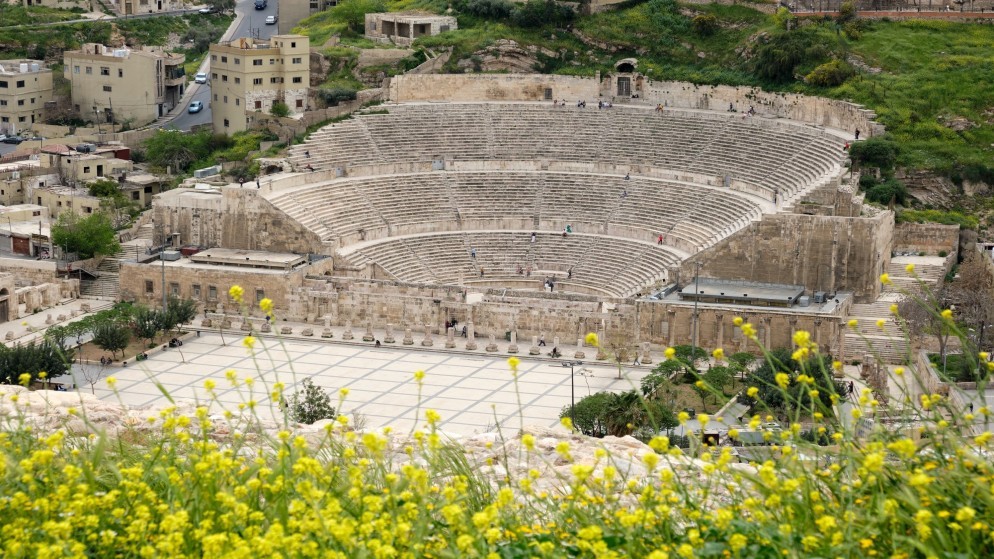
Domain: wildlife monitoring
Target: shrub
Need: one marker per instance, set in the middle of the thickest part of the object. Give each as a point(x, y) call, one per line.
point(280, 109)
point(830, 74)
point(705, 24)
point(946, 217)
point(891, 190)
point(488, 9)
point(310, 404)
point(332, 96)
point(875, 152)
point(539, 13)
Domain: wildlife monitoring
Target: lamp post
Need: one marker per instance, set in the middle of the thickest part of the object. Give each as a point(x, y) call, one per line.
point(572, 389)
point(697, 296)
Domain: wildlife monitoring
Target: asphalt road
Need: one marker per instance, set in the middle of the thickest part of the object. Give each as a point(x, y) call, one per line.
point(251, 24)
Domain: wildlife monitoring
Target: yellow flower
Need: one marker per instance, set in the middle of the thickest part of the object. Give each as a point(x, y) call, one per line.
point(111, 381)
point(982, 438)
point(737, 321)
point(718, 354)
point(432, 417)
point(748, 331)
point(947, 314)
point(783, 380)
point(893, 309)
point(591, 339)
point(899, 371)
point(266, 304)
point(683, 417)
point(343, 392)
point(752, 392)
point(236, 292)
point(567, 423)
point(910, 268)
point(25, 379)
point(837, 365)
point(249, 342)
point(513, 362)
point(885, 278)
point(704, 419)
point(853, 324)
point(528, 441)
point(802, 338)
point(670, 353)
point(419, 375)
point(881, 323)
point(209, 384)
point(965, 514)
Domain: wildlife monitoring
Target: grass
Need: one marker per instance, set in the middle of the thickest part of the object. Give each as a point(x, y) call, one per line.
point(187, 485)
point(14, 15)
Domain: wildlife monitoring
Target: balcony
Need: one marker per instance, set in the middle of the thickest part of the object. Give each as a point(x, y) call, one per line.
point(175, 76)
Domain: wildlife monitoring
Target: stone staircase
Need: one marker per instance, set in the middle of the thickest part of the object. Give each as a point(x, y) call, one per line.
point(106, 286)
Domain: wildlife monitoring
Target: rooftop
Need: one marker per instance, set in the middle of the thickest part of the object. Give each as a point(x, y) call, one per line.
point(249, 258)
point(21, 66)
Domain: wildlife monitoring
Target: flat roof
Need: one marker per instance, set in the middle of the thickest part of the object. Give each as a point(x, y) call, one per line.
point(741, 291)
point(249, 258)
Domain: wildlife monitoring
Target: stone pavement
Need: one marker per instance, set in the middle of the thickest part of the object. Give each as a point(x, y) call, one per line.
point(471, 391)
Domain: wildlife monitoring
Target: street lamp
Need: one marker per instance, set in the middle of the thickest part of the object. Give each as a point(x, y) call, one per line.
point(572, 389)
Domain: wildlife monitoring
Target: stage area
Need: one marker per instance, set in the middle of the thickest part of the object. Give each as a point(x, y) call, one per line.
point(466, 390)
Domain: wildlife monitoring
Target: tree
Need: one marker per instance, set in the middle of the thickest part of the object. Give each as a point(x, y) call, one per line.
point(179, 151)
point(974, 299)
point(310, 404)
point(32, 359)
point(279, 109)
point(146, 324)
point(778, 56)
point(86, 237)
point(796, 396)
point(112, 337)
point(629, 413)
point(716, 378)
point(221, 6)
point(178, 312)
point(919, 312)
point(588, 414)
point(104, 188)
point(705, 24)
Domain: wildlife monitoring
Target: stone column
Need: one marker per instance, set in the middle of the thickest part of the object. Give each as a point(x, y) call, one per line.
point(579, 354)
point(513, 347)
point(533, 350)
point(408, 337)
point(601, 354)
point(426, 342)
point(646, 357)
point(389, 339)
point(492, 346)
point(450, 338)
point(470, 336)
point(720, 342)
point(368, 335)
point(347, 335)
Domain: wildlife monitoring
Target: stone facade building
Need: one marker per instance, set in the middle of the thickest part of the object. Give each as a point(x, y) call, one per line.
point(292, 11)
point(404, 28)
point(249, 75)
point(111, 85)
point(25, 87)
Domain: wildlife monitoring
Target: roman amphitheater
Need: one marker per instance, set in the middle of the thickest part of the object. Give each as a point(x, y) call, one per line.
point(653, 221)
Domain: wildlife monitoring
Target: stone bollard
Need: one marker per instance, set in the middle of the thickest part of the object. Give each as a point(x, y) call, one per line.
point(470, 336)
point(368, 335)
point(308, 332)
point(49, 320)
point(326, 333)
point(513, 347)
point(206, 323)
point(533, 350)
point(246, 326)
point(61, 318)
point(266, 328)
point(426, 342)
point(286, 330)
point(408, 337)
point(492, 346)
point(226, 324)
point(388, 338)
point(646, 356)
point(450, 338)
point(347, 335)
point(579, 354)
point(9, 336)
point(85, 307)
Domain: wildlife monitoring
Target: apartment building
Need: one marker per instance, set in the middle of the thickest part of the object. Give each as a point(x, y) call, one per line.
point(25, 87)
point(249, 75)
point(292, 11)
point(111, 85)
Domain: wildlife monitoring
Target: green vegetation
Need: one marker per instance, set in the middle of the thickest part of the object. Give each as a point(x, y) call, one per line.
point(15, 15)
point(37, 360)
point(311, 403)
point(85, 237)
point(938, 216)
point(186, 152)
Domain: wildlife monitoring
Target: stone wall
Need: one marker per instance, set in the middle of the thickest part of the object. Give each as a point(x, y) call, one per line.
point(822, 253)
point(29, 272)
point(531, 87)
point(930, 238)
point(237, 218)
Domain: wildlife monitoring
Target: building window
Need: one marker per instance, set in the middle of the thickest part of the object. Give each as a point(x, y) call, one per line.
point(259, 295)
point(36, 213)
point(32, 100)
point(20, 83)
point(104, 71)
point(274, 80)
point(257, 81)
point(136, 195)
point(196, 290)
point(107, 88)
point(258, 104)
point(237, 102)
point(257, 62)
point(120, 72)
point(300, 103)
point(297, 60)
point(224, 77)
point(224, 59)
point(225, 98)
point(293, 44)
point(238, 61)
point(3, 84)
point(89, 70)
point(174, 289)
point(20, 102)
point(86, 170)
point(225, 123)
point(272, 61)
point(87, 209)
point(213, 75)
point(149, 287)
point(215, 96)
point(213, 58)
point(212, 290)
point(21, 119)
point(238, 80)
point(75, 69)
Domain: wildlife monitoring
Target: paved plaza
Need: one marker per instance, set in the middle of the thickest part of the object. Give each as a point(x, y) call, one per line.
point(472, 392)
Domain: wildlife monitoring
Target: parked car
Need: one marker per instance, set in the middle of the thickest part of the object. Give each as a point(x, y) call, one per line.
point(201, 77)
point(271, 20)
point(12, 140)
point(3, 137)
point(206, 10)
point(196, 107)
point(261, 4)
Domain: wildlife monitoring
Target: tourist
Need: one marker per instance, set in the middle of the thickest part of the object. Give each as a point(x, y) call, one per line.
point(660, 240)
point(541, 340)
point(564, 232)
point(257, 183)
point(857, 133)
point(624, 193)
point(637, 362)
point(465, 331)
point(481, 271)
point(307, 153)
point(628, 177)
point(534, 236)
point(309, 168)
point(600, 105)
point(569, 273)
point(845, 147)
point(528, 271)
point(377, 344)
point(472, 253)
point(555, 353)
point(520, 270)
point(731, 108)
point(569, 228)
